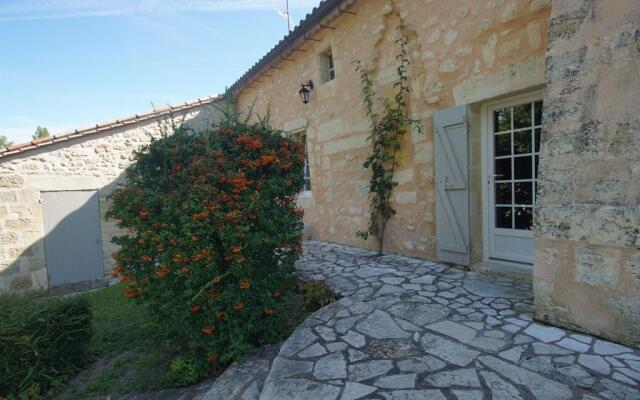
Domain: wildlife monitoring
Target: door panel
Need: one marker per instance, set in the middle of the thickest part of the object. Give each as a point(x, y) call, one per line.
point(72, 237)
point(452, 184)
point(514, 142)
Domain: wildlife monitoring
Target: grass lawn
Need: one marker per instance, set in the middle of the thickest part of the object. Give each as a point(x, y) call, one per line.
point(132, 356)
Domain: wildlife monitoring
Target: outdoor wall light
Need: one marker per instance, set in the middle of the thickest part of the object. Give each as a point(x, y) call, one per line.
point(305, 90)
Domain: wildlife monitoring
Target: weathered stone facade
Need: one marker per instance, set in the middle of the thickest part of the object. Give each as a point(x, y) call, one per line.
point(584, 53)
point(587, 266)
point(470, 52)
point(91, 162)
point(461, 52)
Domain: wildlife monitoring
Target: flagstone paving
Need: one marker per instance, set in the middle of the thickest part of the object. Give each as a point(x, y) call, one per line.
point(409, 329)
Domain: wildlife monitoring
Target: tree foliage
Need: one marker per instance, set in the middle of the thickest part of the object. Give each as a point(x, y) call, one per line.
point(213, 233)
point(4, 142)
point(387, 127)
point(41, 132)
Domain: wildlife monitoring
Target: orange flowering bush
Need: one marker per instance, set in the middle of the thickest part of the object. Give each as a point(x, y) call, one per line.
point(212, 234)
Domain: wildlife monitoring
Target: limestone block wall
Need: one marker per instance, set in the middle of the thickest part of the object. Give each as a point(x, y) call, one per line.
point(587, 229)
point(93, 162)
point(461, 52)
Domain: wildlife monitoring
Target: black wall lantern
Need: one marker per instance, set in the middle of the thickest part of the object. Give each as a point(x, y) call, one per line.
point(305, 90)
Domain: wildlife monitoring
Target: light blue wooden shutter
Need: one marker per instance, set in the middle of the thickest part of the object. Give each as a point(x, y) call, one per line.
point(452, 184)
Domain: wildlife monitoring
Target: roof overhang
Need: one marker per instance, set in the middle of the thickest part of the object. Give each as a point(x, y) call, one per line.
point(319, 19)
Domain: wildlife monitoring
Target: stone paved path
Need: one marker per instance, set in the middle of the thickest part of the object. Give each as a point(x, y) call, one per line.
point(243, 379)
point(407, 329)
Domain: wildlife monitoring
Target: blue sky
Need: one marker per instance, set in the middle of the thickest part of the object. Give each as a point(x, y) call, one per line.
point(65, 64)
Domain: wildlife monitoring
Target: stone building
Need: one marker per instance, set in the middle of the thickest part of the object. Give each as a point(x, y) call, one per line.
point(529, 161)
point(53, 194)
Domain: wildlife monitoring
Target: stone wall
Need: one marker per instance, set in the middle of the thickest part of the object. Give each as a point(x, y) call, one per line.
point(587, 231)
point(92, 162)
point(461, 52)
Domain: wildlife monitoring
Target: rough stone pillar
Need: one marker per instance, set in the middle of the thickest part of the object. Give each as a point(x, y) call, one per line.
point(587, 240)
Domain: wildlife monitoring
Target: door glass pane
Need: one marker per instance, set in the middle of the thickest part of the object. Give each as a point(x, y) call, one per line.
point(524, 193)
point(522, 167)
point(503, 217)
point(516, 140)
point(502, 120)
point(522, 116)
point(524, 218)
point(522, 142)
point(503, 193)
point(503, 145)
point(538, 112)
point(503, 169)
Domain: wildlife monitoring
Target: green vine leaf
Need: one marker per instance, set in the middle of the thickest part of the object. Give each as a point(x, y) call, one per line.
point(386, 132)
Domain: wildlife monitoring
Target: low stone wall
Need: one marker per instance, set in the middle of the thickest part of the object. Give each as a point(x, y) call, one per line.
point(91, 162)
point(587, 261)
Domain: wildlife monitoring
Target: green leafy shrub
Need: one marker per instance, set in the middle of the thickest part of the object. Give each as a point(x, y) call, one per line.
point(44, 342)
point(316, 294)
point(184, 370)
point(213, 233)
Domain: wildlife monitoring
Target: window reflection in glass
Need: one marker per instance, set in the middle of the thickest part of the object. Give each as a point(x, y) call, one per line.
point(522, 116)
point(517, 140)
point(523, 193)
point(522, 167)
point(502, 120)
point(503, 169)
point(503, 193)
point(538, 113)
point(522, 142)
point(503, 145)
point(523, 218)
point(503, 217)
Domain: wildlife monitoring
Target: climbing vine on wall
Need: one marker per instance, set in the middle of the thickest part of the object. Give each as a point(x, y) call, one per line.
point(387, 127)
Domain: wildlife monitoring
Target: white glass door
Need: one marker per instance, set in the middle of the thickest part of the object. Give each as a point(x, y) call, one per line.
point(514, 143)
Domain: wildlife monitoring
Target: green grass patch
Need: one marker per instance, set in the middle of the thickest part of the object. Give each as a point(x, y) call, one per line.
point(118, 321)
point(132, 353)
